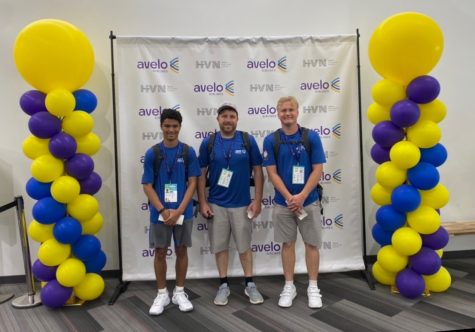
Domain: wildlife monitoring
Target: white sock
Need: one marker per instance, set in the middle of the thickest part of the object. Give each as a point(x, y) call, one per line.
point(313, 283)
point(179, 289)
point(289, 283)
point(162, 291)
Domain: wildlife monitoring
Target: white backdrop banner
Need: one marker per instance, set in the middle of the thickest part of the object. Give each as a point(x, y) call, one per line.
point(195, 76)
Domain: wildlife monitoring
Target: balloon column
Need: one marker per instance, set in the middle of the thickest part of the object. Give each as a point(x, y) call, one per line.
point(405, 114)
point(57, 59)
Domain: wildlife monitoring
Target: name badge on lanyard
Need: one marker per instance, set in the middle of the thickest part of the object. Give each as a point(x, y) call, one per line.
point(171, 193)
point(225, 178)
point(298, 174)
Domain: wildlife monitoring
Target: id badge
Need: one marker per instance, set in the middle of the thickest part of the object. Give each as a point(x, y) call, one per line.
point(225, 178)
point(171, 193)
point(298, 175)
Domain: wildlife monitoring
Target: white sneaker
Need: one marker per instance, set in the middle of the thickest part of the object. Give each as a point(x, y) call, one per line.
point(287, 296)
point(181, 299)
point(160, 302)
point(314, 297)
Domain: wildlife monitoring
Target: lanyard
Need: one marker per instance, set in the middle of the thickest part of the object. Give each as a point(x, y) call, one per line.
point(294, 152)
point(169, 166)
point(228, 154)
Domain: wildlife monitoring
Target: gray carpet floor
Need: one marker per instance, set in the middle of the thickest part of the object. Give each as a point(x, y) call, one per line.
point(348, 305)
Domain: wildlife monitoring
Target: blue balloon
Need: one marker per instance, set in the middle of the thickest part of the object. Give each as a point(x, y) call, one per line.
point(48, 210)
point(423, 176)
point(87, 247)
point(96, 264)
point(405, 198)
point(389, 218)
point(85, 100)
point(381, 236)
point(38, 190)
point(67, 230)
point(435, 155)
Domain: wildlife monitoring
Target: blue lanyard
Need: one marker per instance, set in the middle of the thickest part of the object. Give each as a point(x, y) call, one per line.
point(169, 166)
point(295, 152)
point(229, 153)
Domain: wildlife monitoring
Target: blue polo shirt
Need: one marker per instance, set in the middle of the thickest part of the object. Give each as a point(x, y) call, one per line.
point(172, 170)
point(292, 153)
point(230, 153)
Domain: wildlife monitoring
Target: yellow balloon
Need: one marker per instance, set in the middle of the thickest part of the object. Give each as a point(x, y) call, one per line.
point(83, 208)
point(389, 175)
point(440, 252)
point(434, 111)
point(88, 144)
point(406, 241)
point(47, 168)
point(425, 134)
point(424, 220)
point(436, 198)
point(381, 195)
point(78, 124)
point(405, 154)
point(378, 113)
point(383, 276)
point(439, 281)
point(52, 253)
point(391, 260)
point(71, 272)
point(65, 189)
point(60, 102)
point(40, 232)
point(52, 54)
point(93, 225)
point(90, 288)
point(33, 147)
point(386, 92)
point(405, 46)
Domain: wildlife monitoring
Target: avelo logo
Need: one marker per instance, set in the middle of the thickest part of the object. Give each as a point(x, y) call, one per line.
point(326, 132)
point(215, 88)
point(160, 65)
point(266, 111)
point(268, 64)
point(151, 252)
point(336, 130)
point(335, 84)
point(321, 86)
point(337, 176)
point(339, 221)
point(155, 111)
point(271, 248)
point(327, 223)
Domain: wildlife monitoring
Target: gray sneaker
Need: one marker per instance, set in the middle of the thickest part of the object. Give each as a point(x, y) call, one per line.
point(254, 296)
point(222, 295)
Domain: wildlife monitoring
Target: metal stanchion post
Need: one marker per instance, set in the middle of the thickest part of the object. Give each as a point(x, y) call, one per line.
point(31, 298)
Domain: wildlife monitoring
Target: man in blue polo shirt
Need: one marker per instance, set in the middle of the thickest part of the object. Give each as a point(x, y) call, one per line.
point(227, 159)
point(295, 173)
point(169, 179)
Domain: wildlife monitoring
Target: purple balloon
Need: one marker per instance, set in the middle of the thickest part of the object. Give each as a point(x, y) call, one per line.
point(54, 295)
point(405, 113)
point(43, 272)
point(410, 283)
point(32, 102)
point(386, 134)
point(44, 125)
point(62, 145)
point(423, 89)
point(91, 185)
point(436, 240)
point(426, 261)
point(380, 154)
point(80, 166)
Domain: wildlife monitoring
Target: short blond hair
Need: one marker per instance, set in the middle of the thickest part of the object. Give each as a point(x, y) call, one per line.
point(292, 99)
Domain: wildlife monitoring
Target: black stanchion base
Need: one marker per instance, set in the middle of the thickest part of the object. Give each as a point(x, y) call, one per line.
point(121, 288)
point(5, 297)
point(369, 279)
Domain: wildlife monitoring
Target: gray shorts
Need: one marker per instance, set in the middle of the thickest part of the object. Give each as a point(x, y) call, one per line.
point(286, 223)
point(227, 222)
point(160, 235)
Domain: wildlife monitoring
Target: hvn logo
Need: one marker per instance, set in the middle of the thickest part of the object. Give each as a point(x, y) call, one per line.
point(328, 222)
point(268, 64)
point(215, 88)
point(160, 65)
point(322, 86)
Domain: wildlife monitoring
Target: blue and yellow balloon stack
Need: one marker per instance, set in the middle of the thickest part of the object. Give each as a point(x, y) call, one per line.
point(57, 59)
point(405, 114)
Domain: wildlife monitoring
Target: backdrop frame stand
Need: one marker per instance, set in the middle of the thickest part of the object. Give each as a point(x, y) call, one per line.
point(8, 296)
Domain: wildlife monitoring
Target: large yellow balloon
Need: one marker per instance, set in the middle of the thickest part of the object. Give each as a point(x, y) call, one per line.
point(439, 281)
point(78, 124)
point(47, 168)
point(52, 54)
point(391, 260)
point(406, 241)
point(386, 92)
point(93, 225)
point(40, 232)
point(65, 189)
point(52, 253)
point(405, 154)
point(83, 208)
point(383, 276)
point(88, 144)
point(381, 195)
point(434, 111)
point(389, 175)
point(425, 134)
point(90, 288)
point(405, 46)
point(377, 113)
point(71, 272)
point(33, 147)
point(424, 219)
point(436, 198)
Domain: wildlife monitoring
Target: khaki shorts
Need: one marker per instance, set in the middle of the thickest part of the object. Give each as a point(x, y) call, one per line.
point(227, 222)
point(160, 235)
point(286, 224)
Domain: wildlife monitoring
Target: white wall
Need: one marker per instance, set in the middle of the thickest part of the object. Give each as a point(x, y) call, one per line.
point(96, 18)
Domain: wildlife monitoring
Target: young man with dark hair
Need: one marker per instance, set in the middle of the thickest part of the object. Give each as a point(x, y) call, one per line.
point(169, 179)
